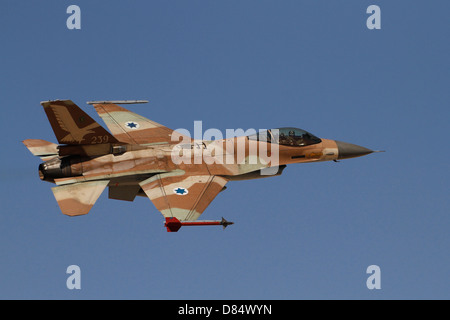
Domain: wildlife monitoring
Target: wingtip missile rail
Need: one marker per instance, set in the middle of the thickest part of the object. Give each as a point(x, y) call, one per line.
point(117, 102)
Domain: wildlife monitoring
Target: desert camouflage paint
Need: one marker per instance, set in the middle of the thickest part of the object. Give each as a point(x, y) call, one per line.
point(140, 157)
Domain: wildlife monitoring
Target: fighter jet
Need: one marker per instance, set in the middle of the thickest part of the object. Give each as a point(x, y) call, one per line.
point(139, 157)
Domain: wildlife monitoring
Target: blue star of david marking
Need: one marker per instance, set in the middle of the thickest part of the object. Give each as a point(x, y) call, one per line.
point(131, 125)
point(180, 191)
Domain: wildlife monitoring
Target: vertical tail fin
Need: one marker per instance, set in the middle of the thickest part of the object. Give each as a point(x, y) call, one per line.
point(72, 125)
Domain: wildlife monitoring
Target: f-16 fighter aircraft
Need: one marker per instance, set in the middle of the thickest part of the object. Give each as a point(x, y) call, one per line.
point(140, 157)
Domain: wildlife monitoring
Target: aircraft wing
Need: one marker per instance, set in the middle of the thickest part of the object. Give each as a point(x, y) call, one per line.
point(132, 128)
point(183, 196)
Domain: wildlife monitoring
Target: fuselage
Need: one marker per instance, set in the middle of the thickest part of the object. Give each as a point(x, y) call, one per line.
point(238, 158)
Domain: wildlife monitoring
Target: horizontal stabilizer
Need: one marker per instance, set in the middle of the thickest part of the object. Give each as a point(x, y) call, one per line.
point(78, 198)
point(41, 148)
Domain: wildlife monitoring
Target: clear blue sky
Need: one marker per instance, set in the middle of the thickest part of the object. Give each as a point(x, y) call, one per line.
point(309, 234)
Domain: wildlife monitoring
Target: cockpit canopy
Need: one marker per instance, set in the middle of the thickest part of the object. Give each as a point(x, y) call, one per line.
point(287, 136)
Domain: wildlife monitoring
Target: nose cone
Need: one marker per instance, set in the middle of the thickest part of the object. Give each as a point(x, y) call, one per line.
point(348, 150)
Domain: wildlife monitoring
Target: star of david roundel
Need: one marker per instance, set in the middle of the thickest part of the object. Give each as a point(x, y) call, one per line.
point(131, 125)
point(181, 191)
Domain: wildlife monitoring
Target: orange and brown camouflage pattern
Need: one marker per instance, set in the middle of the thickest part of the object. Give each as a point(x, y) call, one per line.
point(143, 158)
point(41, 148)
point(130, 127)
point(181, 195)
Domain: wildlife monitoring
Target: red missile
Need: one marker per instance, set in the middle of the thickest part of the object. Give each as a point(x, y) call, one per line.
point(173, 224)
